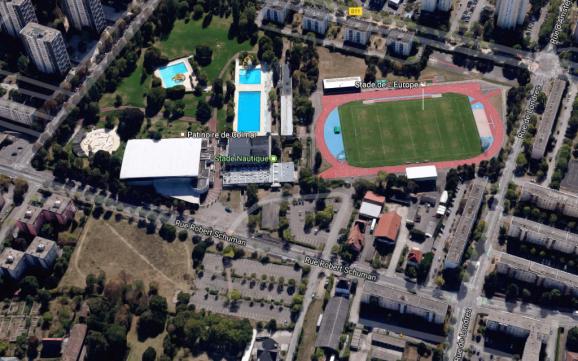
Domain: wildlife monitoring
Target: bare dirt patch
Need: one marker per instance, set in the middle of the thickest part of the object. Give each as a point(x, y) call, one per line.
point(337, 65)
point(115, 247)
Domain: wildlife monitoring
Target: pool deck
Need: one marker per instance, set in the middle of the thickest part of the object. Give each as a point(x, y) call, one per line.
point(187, 83)
point(264, 87)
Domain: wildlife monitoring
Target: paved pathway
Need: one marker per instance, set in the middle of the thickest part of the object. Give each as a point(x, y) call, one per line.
point(340, 169)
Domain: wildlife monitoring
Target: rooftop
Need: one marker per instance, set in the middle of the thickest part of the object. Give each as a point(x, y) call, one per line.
point(338, 83)
point(38, 31)
point(334, 318)
point(166, 158)
point(10, 258)
point(401, 296)
point(540, 229)
point(258, 146)
point(74, 343)
point(30, 214)
point(40, 247)
point(56, 203)
point(315, 14)
point(372, 197)
point(540, 270)
point(355, 239)
point(388, 225)
point(545, 124)
point(426, 171)
point(459, 238)
point(545, 195)
point(357, 24)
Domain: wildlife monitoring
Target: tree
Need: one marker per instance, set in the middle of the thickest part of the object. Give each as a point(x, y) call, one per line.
point(29, 286)
point(203, 111)
point(168, 232)
point(572, 339)
point(176, 92)
point(116, 337)
point(130, 122)
point(20, 188)
point(183, 235)
point(155, 100)
point(97, 346)
point(23, 63)
point(153, 58)
point(252, 197)
point(512, 292)
point(149, 355)
point(203, 55)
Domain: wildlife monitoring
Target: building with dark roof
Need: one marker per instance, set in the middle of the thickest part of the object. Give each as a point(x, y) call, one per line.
point(387, 228)
point(276, 12)
point(12, 263)
point(267, 350)
point(334, 318)
point(249, 148)
point(41, 253)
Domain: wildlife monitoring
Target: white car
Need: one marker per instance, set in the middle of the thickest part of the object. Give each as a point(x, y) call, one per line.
point(575, 314)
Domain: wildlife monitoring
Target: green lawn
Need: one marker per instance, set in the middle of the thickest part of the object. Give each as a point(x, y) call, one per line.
point(186, 36)
point(182, 42)
point(395, 133)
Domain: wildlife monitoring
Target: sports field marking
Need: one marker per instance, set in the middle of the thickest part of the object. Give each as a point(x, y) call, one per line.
point(446, 130)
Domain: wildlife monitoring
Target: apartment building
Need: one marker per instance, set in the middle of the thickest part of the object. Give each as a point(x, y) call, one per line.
point(537, 233)
point(404, 302)
point(15, 14)
point(531, 272)
point(41, 253)
point(548, 119)
point(85, 14)
point(357, 32)
point(316, 21)
point(400, 43)
point(276, 12)
point(511, 13)
point(433, 5)
point(16, 112)
point(56, 209)
point(458, 239)
point(46, 48)
point(550, 199)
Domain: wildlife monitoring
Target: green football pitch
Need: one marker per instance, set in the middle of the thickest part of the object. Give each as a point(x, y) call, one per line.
point(400, 132)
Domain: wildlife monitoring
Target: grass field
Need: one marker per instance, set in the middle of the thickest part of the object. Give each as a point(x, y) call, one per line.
point(396, 133)
point(182, 41)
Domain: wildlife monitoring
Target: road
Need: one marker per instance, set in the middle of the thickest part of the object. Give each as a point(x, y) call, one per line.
point(339, 222)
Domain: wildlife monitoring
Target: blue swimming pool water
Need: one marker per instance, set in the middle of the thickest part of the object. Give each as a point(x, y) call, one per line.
point(249, 117)
point(250, 76)
point(168, 73)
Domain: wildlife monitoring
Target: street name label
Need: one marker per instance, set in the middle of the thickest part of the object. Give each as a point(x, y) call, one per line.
point(210, 232)
point(355, 11)
point(317, 262)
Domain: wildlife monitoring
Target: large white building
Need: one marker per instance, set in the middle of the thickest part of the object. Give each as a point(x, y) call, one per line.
point(433, 5)
point(85, 14)
point(15, 14)
point(176, 167)
point(511, 13)
point(46, 48)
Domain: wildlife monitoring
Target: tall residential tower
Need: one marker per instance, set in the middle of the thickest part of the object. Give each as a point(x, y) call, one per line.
point(433, 5)
point(46, 48)
point(15, 14)
point(511, 13)
point(85, 14)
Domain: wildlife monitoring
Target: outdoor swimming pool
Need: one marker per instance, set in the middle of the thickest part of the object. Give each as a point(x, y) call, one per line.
point(169, 72)
point(249, 117)
point(250, 76)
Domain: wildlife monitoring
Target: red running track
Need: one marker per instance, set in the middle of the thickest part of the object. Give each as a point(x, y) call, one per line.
point(341, 169)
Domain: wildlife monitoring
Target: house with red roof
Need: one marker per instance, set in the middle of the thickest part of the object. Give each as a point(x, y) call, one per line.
point(387, 228)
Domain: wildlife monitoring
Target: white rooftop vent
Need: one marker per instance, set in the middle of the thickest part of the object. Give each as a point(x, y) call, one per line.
point(28, 214)
point(10, 259)
point(41, 247)
point(57, 203)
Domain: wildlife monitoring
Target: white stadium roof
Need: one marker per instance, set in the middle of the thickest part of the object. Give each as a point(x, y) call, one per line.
point(424, 172)
point(166, 158)
point(337, 83)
